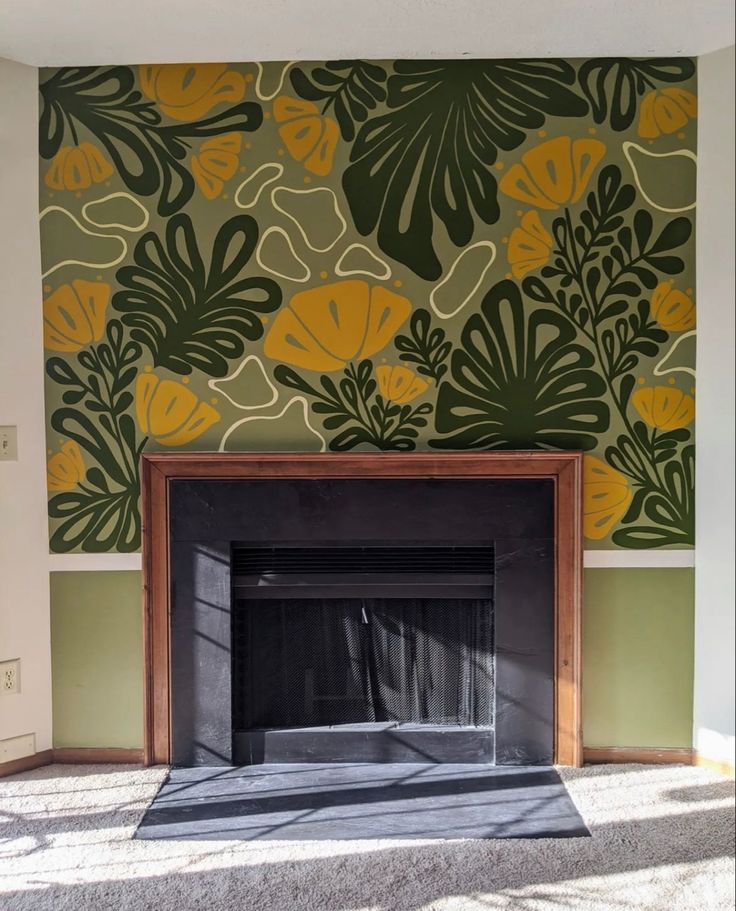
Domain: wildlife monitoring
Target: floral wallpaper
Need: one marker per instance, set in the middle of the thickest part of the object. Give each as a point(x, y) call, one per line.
point(371, 255)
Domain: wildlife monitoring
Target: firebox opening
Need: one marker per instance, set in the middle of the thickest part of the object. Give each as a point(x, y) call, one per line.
point(362, 638)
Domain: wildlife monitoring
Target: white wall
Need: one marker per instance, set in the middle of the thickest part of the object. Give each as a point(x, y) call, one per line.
point(70, 32)
point(24, 578)
point(714, 566)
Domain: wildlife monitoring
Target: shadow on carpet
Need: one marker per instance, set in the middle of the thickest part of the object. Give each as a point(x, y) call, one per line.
point(359, 801)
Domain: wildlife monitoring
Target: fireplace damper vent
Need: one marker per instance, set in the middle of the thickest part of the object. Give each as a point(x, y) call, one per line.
point(369, 572)
point(249, 561)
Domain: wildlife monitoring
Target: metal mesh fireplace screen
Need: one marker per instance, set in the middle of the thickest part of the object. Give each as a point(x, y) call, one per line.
point(314, 662)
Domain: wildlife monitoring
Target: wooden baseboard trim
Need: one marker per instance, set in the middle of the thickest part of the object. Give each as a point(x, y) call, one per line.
point(722, 767)
point(591, 756)
point(645, 755)
point(26, 763)
point(94, 755)
point(71, 756)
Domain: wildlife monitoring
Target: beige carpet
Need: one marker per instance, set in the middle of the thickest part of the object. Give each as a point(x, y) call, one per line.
point(663, 838)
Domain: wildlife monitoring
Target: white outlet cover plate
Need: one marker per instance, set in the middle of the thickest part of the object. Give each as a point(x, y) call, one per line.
point(6, 666)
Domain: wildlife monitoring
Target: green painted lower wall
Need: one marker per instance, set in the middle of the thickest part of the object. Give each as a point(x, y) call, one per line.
point(638, 658)
point(638, 649)
point(97, 659)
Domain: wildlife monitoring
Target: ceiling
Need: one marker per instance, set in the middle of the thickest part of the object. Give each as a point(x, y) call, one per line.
point(74, 32)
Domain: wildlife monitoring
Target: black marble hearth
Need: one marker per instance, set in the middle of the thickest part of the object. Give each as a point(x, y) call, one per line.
point(314, 802)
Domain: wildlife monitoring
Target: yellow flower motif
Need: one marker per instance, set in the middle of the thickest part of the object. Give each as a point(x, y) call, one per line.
point(606, 497)
point(171, 412)
point(664, 407)
point(529, 245)
point(666, 111)
point(187, 91)
point(324, 328)
point(308, 136)
point(74, 315)
point(553, 173)
point(216, 162)
point(66, 468)
point(399, 384)
point(77, 168)
point(673, 309)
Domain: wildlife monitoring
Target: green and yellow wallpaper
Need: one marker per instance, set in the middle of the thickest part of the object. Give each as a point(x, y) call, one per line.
point(371, 255)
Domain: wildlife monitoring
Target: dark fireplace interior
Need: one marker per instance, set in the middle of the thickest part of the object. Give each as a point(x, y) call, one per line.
point(379, 620)
point(312, 662)
point(374, 639)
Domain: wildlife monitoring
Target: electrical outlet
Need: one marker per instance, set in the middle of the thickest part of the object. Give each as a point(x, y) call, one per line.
point(10, 677)
point(8, 444)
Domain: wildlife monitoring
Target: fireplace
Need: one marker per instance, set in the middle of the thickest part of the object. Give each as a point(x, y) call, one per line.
point(369, 653)
point(335, 614)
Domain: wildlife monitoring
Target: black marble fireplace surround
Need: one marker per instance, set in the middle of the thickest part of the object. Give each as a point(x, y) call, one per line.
point(510, 519)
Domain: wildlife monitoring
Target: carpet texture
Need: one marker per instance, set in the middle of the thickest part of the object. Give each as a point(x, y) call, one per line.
point(662, 840)
point(358, 801)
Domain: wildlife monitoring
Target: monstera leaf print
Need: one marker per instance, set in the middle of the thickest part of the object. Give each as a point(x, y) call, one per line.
point(519, 379)
point(668, 514)
point(613, 85)
point(97, 517)
point(149, 155)
point(429, 156)
point(188, 316)
point(350, 88)
point(94, 481)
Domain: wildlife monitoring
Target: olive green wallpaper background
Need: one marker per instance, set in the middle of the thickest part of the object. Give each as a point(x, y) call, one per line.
point(371, 255)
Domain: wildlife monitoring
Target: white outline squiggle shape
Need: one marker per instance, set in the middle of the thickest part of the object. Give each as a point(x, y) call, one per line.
point(481, 243)
point(276, 417)
point(301, 230)
point(275, 229)
point(259, 78)
point(79, 262)
point(342, 272)
point(97, 224)
point(659, 372)
point(682, 153)
point(215, 384)
point(268, 164)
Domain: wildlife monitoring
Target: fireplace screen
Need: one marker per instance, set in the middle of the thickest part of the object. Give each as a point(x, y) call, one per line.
point(309, 662)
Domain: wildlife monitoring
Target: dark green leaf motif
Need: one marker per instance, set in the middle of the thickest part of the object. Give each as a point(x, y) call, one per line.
point(425, 347)
point(351, 88)
point(520, 380)
point(669, 514)
point(96, 517)
point(605, 270)
point(148, 154)
point(101, 513)
point(187, 315)
point(429, 156)
point(613, 85)
point(354, 404)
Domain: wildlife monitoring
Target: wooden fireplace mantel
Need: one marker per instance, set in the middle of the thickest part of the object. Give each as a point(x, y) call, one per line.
point(564, 468)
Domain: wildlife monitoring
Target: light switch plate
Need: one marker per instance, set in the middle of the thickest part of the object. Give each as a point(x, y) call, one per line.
point(8, 444)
